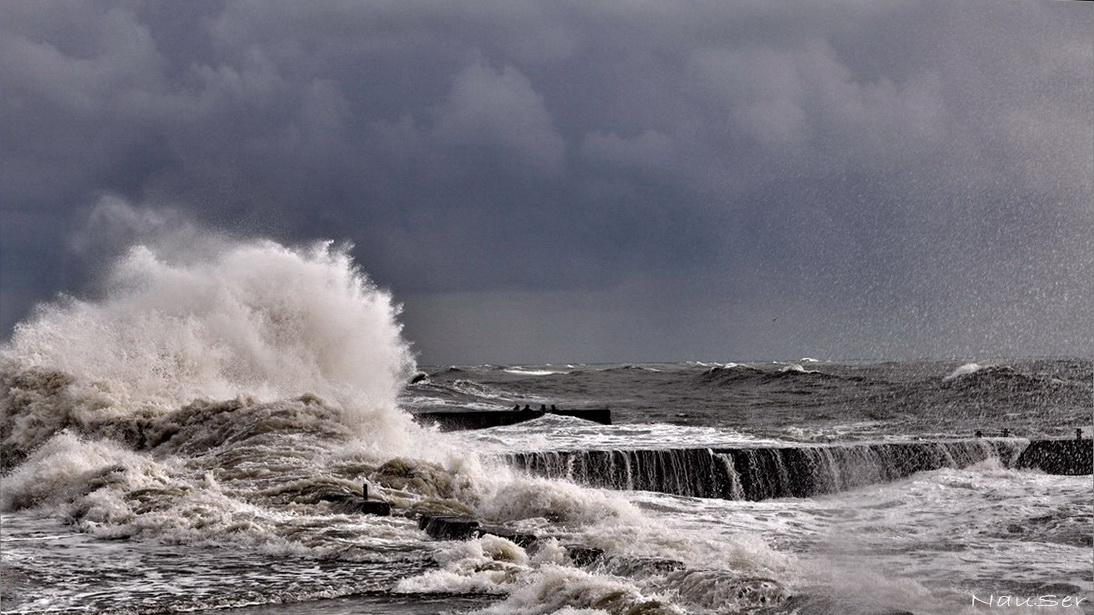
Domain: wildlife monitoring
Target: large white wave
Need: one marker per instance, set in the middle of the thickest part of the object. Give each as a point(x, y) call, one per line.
point(255, 318)
point(230, 393)
point(261, 363)
point(248, 318)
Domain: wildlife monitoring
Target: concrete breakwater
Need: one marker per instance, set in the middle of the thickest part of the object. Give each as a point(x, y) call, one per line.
point(758, 473)
point(452, 420)
point(1072, 457)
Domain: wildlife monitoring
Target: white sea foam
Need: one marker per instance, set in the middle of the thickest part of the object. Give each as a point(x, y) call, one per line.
point(562, 590)
point(254, 318)
point(66, 465)
point(794, 367)
point(964, 370)
point(226, 397)
point(528, 371)
point(553, 432)
point(901, 545)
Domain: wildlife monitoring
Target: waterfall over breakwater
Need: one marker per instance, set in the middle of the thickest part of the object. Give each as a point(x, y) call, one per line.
point(762, 473)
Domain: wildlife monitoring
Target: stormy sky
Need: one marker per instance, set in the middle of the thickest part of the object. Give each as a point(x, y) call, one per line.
point(564, 181)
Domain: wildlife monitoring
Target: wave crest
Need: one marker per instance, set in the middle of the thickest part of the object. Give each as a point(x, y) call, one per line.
point(252, 318)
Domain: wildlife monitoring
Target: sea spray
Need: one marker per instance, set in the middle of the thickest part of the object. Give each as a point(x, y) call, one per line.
point(66, 466)
point(226, 398)
point(255, 318)
point(226, 391)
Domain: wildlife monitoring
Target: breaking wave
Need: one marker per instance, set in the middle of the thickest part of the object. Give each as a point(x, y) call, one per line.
point(235, 397)
point(255, 319)
point(738, 374)
point(1006, 381)
point(964, 370)
point(210, 393)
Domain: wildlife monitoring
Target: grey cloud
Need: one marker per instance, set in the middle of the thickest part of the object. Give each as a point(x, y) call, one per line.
point(651, 153)
point(900, 166)
point(488, 115)
point(502, 110)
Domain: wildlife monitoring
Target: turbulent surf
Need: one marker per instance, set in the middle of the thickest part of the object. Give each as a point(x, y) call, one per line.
point(184, 441)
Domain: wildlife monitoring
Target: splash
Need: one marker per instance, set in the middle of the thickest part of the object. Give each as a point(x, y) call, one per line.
point(255, 319)
point(277, 369)
point(226, 395)
point(964, 370)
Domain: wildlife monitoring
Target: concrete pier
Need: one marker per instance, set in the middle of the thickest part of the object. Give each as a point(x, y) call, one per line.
point(481, 419)
point(1070, 457)
point(763, 472)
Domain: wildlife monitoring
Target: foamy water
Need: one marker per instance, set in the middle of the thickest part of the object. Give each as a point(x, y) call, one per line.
point(180, 443)
point(926, 543)
point(558, 432)
point(220, 402)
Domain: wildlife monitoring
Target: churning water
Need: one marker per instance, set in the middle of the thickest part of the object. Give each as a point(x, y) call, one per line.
point(181, 444)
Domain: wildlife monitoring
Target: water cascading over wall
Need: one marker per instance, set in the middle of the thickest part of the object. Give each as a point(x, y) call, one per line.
point(761, 473)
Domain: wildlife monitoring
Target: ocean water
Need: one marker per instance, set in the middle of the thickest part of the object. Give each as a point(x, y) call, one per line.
point(181, 442)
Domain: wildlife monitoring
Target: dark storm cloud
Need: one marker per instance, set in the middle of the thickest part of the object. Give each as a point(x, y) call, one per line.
point(572, 180)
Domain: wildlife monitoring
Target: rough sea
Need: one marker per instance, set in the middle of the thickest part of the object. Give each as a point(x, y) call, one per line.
point(181, 441)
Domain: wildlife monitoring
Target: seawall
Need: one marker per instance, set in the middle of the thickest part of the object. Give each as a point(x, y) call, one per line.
point(481, 419)
point(758, 473)
point(1071, 457)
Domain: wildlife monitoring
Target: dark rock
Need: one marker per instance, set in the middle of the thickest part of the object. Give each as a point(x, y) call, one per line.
point(521, 539)
point(348, 505)
point(444, 527)
point(581, 555)
point(440, 527)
